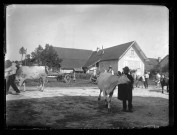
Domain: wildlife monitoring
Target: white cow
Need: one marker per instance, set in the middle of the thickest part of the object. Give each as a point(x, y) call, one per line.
point(107, 83)
point(32, 72)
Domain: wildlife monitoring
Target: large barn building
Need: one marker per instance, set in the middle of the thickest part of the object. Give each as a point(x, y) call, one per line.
point(73, 59)
point(127, 54)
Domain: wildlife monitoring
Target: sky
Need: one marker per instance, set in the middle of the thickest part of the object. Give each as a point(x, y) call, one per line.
point(86, 26)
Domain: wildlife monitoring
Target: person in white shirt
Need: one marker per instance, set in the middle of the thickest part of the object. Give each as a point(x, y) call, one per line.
point(110, 70)
point(158, 76)
point(146, 79)
point(143, 80)
point(10, 78)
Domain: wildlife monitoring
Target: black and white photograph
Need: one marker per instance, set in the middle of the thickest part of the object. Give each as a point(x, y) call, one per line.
point(86, 66)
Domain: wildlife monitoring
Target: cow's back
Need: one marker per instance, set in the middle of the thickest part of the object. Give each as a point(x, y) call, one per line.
point(32, 72)
point(104, 81)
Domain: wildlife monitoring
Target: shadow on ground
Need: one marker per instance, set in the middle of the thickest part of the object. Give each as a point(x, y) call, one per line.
point(158, 90)
point(63, 112)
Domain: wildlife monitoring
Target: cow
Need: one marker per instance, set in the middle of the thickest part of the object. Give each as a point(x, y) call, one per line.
point(107, 83)
point(164, 81)
point(32, 72)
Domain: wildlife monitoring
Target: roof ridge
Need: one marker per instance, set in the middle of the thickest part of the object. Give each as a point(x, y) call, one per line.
point(120, 44)
point(72, 48)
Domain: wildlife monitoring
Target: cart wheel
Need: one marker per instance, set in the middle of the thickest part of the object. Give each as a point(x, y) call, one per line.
point(46, 81)
point(67, 78)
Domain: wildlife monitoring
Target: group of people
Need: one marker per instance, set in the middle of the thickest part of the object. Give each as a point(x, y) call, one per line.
point(143, 79)
point(158, 78)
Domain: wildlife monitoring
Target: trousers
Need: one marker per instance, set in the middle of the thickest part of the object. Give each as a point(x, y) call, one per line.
point(11, 82)
point(129, 104)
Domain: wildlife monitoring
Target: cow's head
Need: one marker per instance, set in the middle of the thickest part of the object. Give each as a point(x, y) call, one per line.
point(123, 79)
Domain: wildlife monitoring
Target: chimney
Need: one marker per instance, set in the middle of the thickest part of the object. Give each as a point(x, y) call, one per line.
point(159, 59)
point(102, 50)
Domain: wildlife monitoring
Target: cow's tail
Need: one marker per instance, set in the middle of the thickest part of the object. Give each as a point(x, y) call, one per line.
point(46, 69)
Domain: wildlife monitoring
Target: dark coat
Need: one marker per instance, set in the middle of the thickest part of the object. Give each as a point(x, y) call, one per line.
point(125, 90)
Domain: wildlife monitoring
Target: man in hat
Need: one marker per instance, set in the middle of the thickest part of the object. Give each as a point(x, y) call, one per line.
point(125, 91)
point(10, 72)
point(110, 70)
point(146, 79)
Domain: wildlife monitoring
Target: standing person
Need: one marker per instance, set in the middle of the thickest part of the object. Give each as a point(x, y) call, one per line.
point(10, 78)
point(74, 76)
point(110, 70)
point(125, 91)
point(158, 76)
point(146, 79)
point(143, 81)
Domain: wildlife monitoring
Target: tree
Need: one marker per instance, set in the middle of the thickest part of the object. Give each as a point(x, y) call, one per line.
point(36, 55)
point(22, 51)
point(28, 59)
point(8, 63)
point(50, 57)
point(47, 56)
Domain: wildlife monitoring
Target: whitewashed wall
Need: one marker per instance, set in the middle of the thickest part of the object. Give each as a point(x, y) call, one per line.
point(66, 71)
point(133, 61)
point(104, 65)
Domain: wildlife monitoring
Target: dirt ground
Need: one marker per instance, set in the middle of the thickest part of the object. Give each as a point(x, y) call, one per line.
point(79, 108)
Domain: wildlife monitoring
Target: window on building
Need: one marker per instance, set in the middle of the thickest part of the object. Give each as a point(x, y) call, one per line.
point(132, 52)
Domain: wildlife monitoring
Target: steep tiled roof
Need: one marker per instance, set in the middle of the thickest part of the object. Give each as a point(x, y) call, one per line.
point(116, 51)
point(166, 57)
point(72, 58)
point(112, 53)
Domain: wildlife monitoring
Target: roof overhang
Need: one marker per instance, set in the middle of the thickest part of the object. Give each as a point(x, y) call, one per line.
point(138, 49)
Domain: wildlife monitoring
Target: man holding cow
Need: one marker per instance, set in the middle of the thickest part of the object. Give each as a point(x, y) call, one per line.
point(10, 72)
point(125, 91)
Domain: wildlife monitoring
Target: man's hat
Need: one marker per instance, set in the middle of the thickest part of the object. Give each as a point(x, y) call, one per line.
point(110, 66)
point(126, 69)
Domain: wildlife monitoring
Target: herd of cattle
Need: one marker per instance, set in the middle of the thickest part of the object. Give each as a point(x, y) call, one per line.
point(106, 82)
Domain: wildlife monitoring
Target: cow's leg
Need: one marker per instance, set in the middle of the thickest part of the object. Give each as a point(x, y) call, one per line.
point(105, 97)
point(43, 81)
point(40, 84)
point(24, 87)
point(109, 101)
point(99, 97)
point(22, 82)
